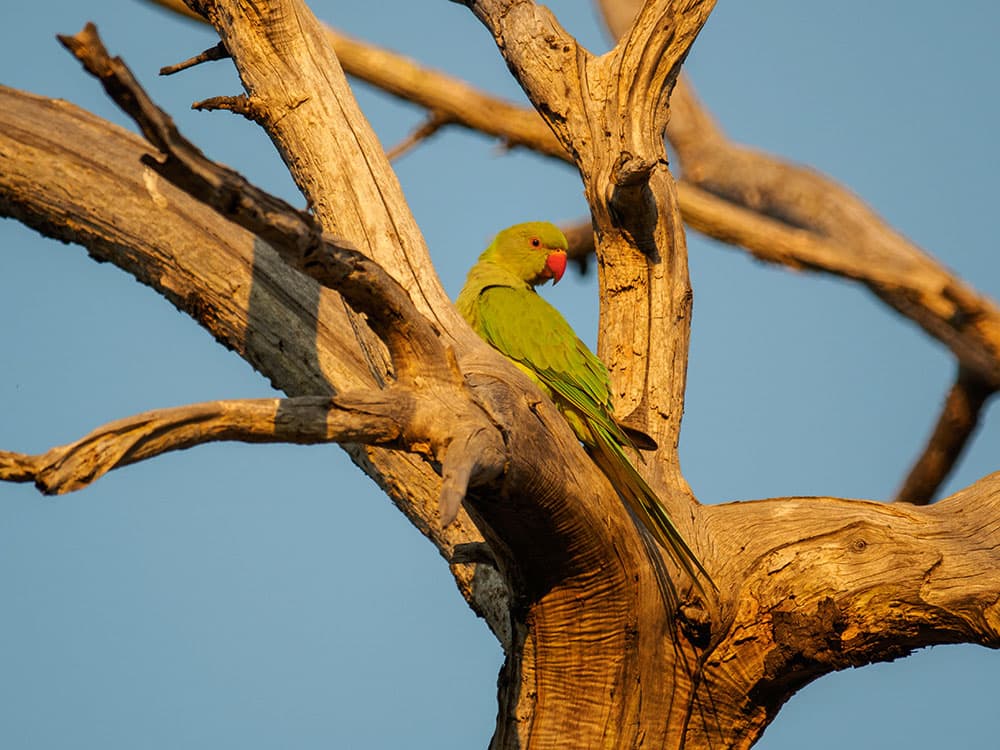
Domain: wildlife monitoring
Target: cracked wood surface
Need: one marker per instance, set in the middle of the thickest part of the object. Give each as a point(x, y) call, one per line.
point(777, 211)
point(807, 584)
point(724, 201)
point(75, 177)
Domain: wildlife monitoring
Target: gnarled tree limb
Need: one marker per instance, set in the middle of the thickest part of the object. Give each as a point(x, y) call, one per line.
point(77, 178)
point(306, 420)
point(806, 585)
point(459, 433)
point(769, 238)
point(856, 582)
point(770, 234)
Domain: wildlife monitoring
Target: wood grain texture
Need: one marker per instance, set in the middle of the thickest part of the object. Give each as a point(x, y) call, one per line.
point(77, 178)
point(304, 420)
point(946, 307)
point(595, 659)
point(731, 193)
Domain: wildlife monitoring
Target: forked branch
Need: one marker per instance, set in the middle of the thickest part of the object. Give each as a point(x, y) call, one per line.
point(745, 198)
point(296, 235)
point(444, 421)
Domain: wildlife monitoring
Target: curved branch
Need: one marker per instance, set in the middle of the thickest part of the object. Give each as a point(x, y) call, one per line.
point(944, 306)
point(768, 197)
point(829, 583)
point(394, 417)
point(460, 435)
point(305, 420)
point(956, 425)
point(333, 262)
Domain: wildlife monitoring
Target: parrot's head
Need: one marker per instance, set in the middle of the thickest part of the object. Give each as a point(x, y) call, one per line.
point(534, 252)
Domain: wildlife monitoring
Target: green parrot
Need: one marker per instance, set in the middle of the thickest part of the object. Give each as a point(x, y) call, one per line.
point(499, 301)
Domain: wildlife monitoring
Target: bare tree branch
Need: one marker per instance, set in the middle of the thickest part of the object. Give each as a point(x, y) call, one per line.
point(807, 585)
point(460, 435)
point(910, 282)
point(217, 52)
point(295, 234)
point(434, 90)
point(856, 582)
point(77, 178)
point(304, 420)
point(954, 429)
point(792, 201)
point(341, 168)
point(771, 228)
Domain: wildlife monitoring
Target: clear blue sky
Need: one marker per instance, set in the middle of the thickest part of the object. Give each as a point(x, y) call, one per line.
point(263, 597)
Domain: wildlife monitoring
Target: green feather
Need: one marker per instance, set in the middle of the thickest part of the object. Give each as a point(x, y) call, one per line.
point(500, 303)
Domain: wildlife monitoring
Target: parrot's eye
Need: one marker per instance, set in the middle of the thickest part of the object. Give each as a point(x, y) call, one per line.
point(535, 242)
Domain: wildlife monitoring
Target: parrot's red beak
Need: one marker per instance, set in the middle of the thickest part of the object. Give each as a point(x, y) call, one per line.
point(555, 264)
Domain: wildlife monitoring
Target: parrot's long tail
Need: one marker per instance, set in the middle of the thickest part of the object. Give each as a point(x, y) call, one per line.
point(645, 505)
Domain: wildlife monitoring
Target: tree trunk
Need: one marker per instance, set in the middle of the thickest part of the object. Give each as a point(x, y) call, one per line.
point(597, 654)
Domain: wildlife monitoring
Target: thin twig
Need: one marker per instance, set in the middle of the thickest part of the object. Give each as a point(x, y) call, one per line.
point(954, 429)
point(240, 104)
point(218, 52)
point(430, 126)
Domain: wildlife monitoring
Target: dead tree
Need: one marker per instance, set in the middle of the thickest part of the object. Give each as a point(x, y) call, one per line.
point(543, 549)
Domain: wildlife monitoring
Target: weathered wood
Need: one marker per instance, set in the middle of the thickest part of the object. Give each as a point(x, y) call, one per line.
point(77, 178)
point(806, 585)
point(304, 420)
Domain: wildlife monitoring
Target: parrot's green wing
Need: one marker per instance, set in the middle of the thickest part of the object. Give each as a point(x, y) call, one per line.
point(527, 329)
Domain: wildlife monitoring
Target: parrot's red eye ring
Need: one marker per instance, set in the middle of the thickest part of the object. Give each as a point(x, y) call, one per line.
point(535, 242)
